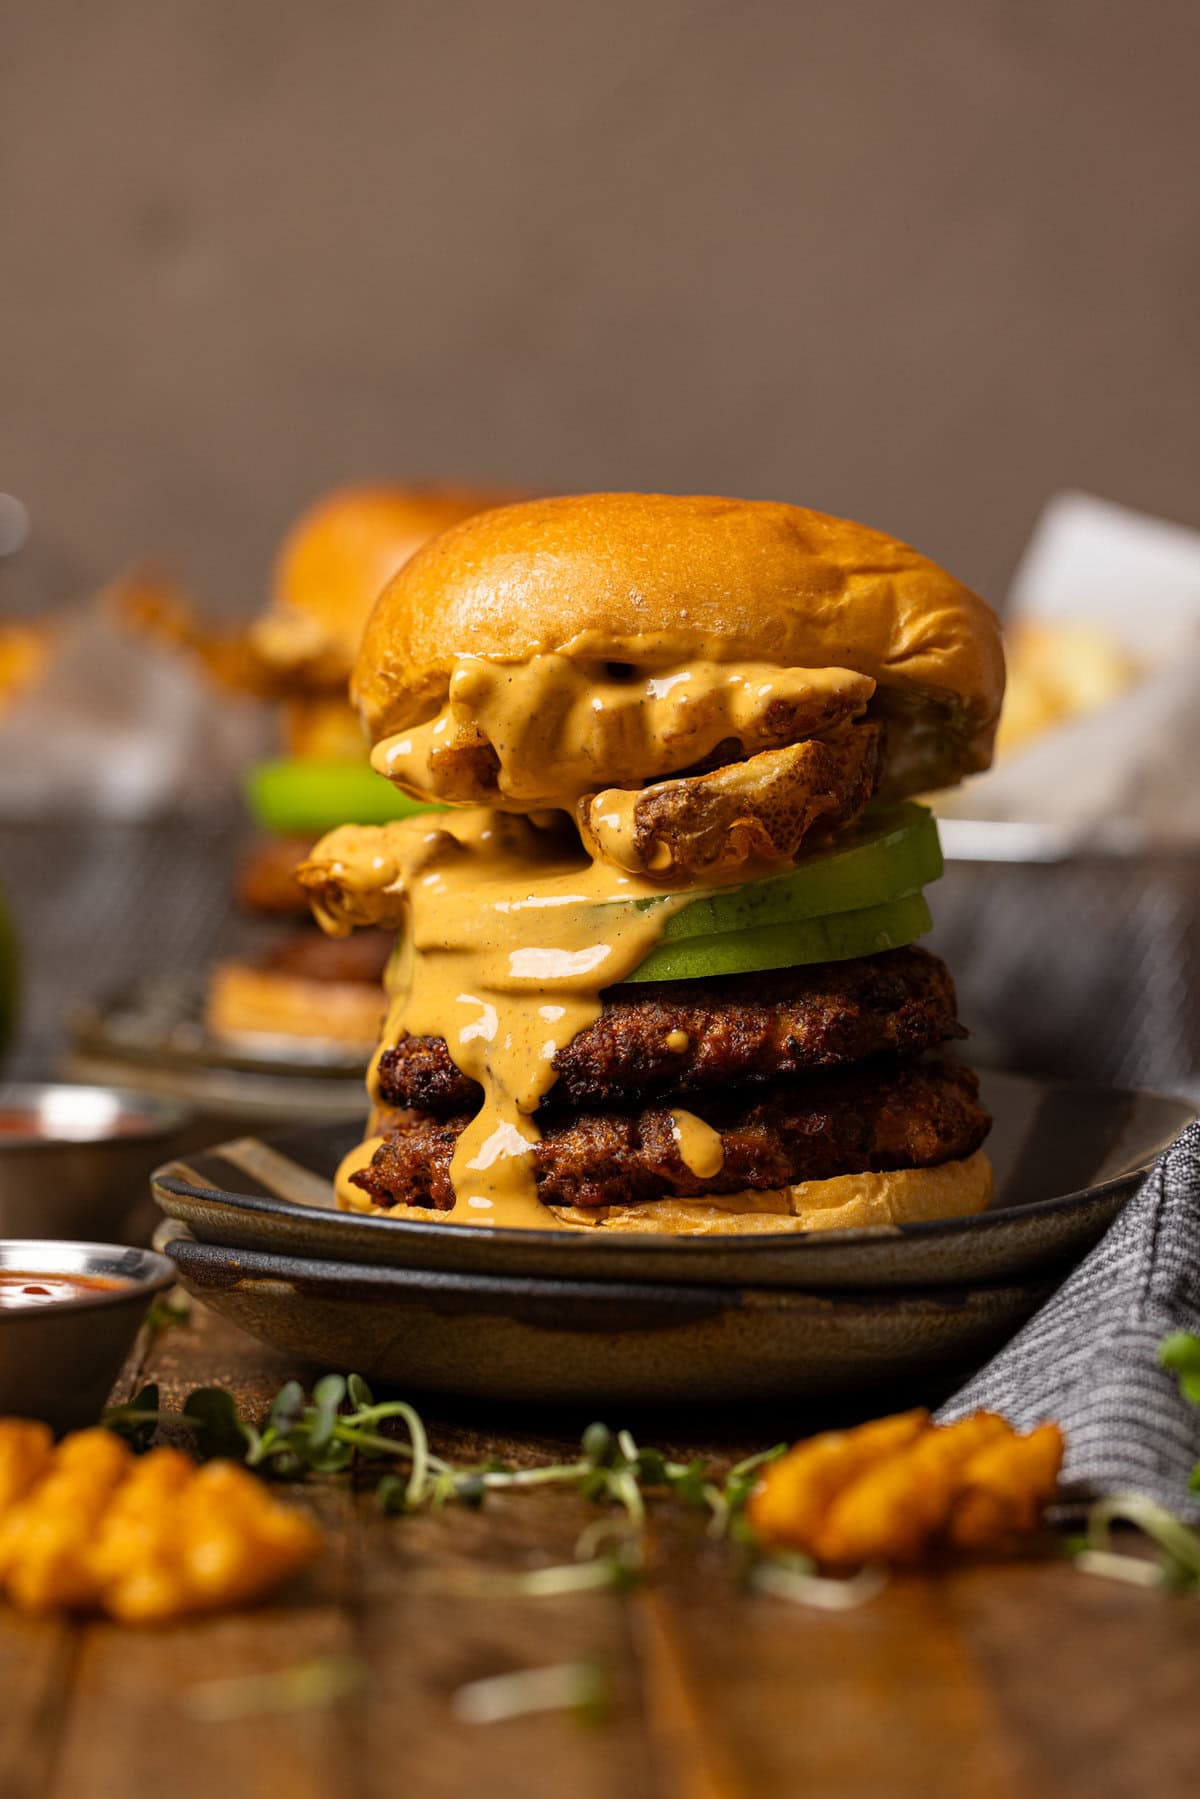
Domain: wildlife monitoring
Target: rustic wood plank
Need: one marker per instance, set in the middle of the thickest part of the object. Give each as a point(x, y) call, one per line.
point(133, 1726)
point(35, 1664)
point(1096, 1681)
point(1003, 1682)
point(787, 1699)
point(423, 1643)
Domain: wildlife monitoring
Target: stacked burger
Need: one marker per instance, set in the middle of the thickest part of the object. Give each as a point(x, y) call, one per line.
point(656, 965)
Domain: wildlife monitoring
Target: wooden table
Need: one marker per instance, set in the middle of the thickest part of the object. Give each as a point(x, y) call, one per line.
point(988, 1682)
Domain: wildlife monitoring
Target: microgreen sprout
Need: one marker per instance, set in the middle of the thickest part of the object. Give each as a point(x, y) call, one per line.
point(341, 1426)
point(581, 1688)
point(168, 1311)
point(794, 1577)
point(305, 1686)
point(1177, 1565)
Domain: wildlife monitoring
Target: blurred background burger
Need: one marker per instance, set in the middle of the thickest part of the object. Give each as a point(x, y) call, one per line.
point(299, 654)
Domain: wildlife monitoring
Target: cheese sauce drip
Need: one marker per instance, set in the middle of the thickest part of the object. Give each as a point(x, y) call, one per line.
point(509, 935)
point(542, 733)
point(700, 1148)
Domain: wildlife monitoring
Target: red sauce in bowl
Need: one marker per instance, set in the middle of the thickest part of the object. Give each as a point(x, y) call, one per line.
point(16, 1122)
point(18, 1288)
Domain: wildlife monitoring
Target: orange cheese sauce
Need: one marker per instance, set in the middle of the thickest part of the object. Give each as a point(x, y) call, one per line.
point(508, 934)
point(561, 728)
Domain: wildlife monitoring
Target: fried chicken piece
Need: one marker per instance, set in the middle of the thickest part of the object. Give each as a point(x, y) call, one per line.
point(845, 1123)
point(691, 1036)
point(759, 810)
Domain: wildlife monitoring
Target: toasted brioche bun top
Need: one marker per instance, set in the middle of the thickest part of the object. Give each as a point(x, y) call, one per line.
point(658, 579)
point(337, 557)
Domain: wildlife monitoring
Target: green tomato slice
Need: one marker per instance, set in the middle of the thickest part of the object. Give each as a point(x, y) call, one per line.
point(893, 850)
point(299, 797)
point(834, 938)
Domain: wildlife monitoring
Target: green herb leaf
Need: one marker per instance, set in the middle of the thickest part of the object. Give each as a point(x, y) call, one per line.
point(651, 1467)
point(598, 1445)
point(1180, 1352)
point(691, 1484)
point(328, 1395)
point(217, 1429)
point(390, 1495)
point(358, 1392)
point(287, 1409)
point(137, 1421)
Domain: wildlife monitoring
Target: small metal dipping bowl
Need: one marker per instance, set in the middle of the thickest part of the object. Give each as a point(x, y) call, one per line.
point(75, 1161)
point(58, 1361)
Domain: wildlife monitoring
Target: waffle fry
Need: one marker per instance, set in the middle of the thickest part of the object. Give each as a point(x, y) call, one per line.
point(91, 1527)
point(903, 1488)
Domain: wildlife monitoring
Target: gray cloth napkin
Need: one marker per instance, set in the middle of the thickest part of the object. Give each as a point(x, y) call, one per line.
point(1089, 1358)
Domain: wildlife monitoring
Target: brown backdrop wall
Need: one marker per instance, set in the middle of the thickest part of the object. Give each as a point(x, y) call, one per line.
point(919, 262)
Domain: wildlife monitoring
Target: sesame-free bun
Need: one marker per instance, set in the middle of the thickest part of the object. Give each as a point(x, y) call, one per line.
point(658, 579)
point(337, 557)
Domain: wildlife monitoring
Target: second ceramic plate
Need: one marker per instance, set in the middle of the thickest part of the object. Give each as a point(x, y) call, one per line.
point(1066, 1158)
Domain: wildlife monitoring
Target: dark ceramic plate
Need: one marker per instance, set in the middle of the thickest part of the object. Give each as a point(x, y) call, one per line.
point(153, 1037)
point(567, 1342)
point(1066, 1158)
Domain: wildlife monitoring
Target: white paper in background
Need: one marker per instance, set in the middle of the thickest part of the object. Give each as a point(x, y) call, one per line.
point(120, 728)
point(1130, 771)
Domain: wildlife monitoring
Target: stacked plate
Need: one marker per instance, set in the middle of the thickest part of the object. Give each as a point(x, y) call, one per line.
point(570, 1316)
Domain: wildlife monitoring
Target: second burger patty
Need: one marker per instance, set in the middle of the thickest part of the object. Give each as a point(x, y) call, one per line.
point(689, 1036)
point(851, 1122)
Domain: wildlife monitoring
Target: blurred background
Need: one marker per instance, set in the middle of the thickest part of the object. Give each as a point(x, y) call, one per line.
point(917, 264)
point(925, 265)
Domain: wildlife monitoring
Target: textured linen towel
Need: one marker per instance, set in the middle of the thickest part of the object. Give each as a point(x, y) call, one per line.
point(1089, 1358)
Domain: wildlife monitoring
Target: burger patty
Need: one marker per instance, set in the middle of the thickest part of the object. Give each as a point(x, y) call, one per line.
point(744, 1028)
point(853, 1122)
point(311, 956)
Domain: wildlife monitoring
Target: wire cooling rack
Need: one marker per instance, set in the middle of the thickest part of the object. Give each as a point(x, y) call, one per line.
point(99, 907)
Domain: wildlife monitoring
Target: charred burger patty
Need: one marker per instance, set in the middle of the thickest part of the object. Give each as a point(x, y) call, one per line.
point(684, 1037)
point(850, 1122)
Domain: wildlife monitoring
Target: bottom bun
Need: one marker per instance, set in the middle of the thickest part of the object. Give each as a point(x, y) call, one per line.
point(245, 1001)
point(846, 1202)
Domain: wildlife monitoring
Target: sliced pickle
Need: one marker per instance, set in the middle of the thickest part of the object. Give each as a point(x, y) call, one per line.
point(298, 796)
point(834, 938)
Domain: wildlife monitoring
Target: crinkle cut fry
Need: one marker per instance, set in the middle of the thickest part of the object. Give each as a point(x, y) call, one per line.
point(899, 1488)
point(1007, 1486)
point(47, 1538)
point(90, 1527)
point(788, 1506)
point(892, 1511)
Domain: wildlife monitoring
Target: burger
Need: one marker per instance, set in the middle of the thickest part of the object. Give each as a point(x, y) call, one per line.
point(298, 654)
point(656, 964)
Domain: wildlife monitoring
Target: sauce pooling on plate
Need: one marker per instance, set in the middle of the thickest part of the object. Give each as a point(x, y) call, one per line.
point(18, 1288)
